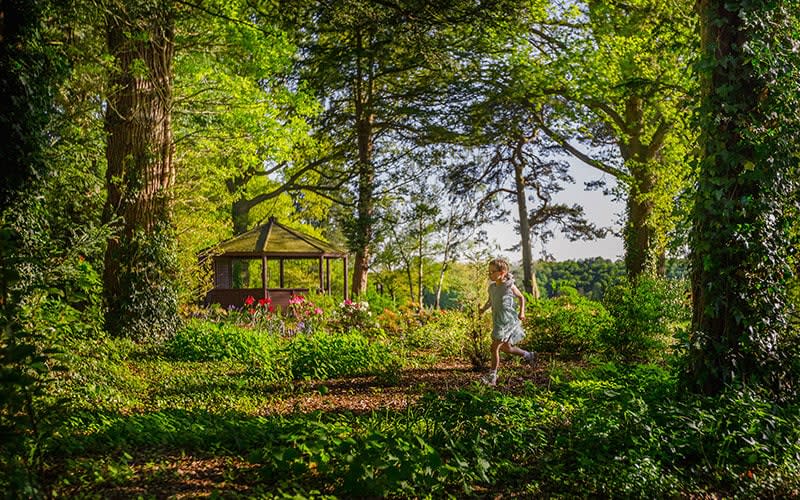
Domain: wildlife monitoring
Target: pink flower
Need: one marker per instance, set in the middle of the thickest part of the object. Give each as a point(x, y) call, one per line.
point(317, 311)
point(249, 300)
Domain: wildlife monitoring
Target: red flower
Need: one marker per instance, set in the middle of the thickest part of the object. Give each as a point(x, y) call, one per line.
point(271, 308)
point(263, 302)
point(252, 311)
point(249, 300)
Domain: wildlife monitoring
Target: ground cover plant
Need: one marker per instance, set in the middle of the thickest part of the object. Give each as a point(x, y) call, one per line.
point(228, 407)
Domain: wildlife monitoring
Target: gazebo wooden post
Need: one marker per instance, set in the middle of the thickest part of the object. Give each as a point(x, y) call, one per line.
point(345, 277)
point(321, 279)
point(281, 273)
point(264, 276)
point(328, 275)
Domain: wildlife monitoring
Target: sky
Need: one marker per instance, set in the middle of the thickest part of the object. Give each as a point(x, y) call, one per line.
point(600, 209)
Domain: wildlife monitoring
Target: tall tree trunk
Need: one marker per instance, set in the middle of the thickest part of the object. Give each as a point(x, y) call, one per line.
point(445, 262)
point(139, 270)
point(240, 215)
point(366, 173)
point(420, 253)
point(644, 248)
point(240, 208)
point(528, 277)
point(643, 252)
point(440, 283)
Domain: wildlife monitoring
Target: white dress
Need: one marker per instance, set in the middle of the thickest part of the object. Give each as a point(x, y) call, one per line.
point(505, 317)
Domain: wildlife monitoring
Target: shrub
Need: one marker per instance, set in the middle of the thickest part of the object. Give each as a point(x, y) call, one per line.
point(739, 443)
point(444, 331)
point(354, 316)
point(143, 302)
point(206, 341)
point(330, 355)
point(646, 315)
point(567, 325)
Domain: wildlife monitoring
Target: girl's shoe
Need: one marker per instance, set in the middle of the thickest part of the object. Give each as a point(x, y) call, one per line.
point(489, 379)
point(531, 358)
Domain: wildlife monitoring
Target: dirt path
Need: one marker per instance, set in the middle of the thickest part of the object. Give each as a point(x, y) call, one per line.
point(365, 394)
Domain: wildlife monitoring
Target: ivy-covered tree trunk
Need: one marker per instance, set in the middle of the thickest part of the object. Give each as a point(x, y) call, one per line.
point(645, 251)
point(743, 245)
point(140, 260)
point(645, 232)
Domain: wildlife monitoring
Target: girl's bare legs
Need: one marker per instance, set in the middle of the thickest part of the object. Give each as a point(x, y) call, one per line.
point(529, 357)
point(491, 377)
point(497, 346)
point(512, 349)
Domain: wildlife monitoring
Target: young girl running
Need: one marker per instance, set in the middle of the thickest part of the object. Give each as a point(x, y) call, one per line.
point(506, 322)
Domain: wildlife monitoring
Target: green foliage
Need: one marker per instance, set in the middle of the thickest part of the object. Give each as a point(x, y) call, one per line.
point(567, 325)
point(647, 314)
point(327, 355)
point(633, 435)
point(740, 443)
point(442, 446)
point(142, 303)
point(609, 431)
point(59, 296)
point(350, 316)
point(32, 68)
point(23, 371)
point(378, 302)
point(591, 277)
point(478, 338)
point(623, 74)
point(236, 114)
point(444, 332)
point(614, 437)
point(200, 340)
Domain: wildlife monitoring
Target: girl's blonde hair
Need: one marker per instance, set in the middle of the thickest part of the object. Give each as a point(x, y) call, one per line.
point(500, 264)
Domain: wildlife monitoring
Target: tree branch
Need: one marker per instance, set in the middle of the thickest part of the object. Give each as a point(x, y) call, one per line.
point(561, 141)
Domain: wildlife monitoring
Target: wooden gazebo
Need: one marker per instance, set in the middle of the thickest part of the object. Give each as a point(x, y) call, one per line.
point(247, 259)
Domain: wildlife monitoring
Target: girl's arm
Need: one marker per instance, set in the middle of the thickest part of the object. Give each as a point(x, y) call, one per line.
point(521, 299)
point(486, 306)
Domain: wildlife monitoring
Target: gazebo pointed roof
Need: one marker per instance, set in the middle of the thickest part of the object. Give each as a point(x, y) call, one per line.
point(275, 239)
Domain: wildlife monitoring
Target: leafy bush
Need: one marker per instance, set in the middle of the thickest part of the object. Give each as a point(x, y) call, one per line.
point(353, 316)
point(646, 315)
point(446, 332)
point(206, 341)
point(143, 303)
point(614, 439)
point(329, 355)
point(568, 325)
point(740, 443)
point(102, 375)
point(444, 446)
